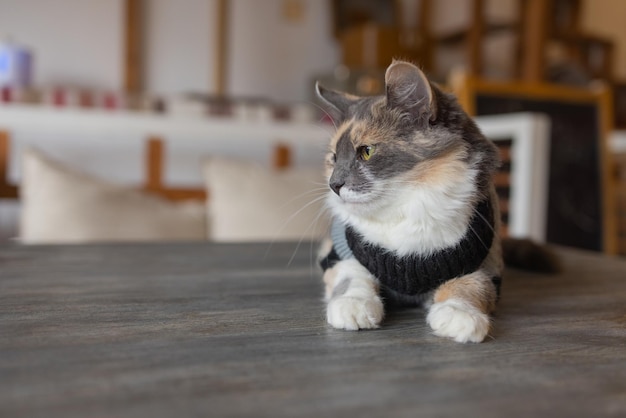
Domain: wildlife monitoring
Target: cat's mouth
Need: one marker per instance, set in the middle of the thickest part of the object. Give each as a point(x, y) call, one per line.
point(348, 196)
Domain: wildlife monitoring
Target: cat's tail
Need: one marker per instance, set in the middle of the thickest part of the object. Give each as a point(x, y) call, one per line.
point(529, 255)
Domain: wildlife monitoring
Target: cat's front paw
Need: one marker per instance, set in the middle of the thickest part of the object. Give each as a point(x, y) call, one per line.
point(352, 313)
point(457, 319)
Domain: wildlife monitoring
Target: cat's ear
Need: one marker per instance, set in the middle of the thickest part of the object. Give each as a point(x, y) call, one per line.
point(409, 90)
point(337, 103)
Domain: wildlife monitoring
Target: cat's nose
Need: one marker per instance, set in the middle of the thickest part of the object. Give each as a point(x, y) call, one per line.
point(336, 186)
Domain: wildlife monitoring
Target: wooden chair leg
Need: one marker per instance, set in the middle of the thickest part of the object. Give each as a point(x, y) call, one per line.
point(154, 164)
point(282, 156)
point(535, 39)
point(475, 39)
point(7, 191)
point(154, 160)
point(155, 167)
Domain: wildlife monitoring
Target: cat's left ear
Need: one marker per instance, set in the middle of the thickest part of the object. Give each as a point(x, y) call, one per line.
point(337, 103)
point(409, 90)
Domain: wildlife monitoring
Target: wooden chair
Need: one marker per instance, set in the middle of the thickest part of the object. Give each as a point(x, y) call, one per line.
point(585, 116)
point(539, 23)
point(523, 140)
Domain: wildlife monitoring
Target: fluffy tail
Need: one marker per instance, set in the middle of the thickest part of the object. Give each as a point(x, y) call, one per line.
point(528, 255)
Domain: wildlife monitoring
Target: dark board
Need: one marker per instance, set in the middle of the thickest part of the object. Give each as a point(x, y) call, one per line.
point(229, 330)
point(575, 184)
point(504, 191)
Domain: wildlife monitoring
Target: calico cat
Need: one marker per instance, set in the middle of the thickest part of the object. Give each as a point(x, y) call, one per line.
point(414, 207)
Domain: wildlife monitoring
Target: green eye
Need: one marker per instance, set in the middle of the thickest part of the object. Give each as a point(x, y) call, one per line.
point(367, 152)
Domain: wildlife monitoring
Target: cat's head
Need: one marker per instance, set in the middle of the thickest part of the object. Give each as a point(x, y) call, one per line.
point(413, 137)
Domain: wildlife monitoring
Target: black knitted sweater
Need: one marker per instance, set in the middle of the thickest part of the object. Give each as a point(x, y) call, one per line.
point(416, 274)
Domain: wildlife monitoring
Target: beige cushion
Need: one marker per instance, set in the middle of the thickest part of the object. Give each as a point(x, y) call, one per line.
point(60, 205)
point(248, 202)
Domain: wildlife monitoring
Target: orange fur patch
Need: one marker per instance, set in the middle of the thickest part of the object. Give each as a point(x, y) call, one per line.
point(364, 133)
point(333, 146)
point(340, 131)
point(446, 169)
point(475, 289)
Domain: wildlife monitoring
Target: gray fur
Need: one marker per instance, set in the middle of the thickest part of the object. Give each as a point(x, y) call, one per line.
point(410, 91)
point(341, 288)
point(416, 136)
point(337, 103)
point(346, 170)
point(413, 126)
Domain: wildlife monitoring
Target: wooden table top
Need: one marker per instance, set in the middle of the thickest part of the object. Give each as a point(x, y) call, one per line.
point(233, 330)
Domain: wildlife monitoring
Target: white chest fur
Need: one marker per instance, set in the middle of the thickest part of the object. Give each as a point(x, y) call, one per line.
point(413, 219)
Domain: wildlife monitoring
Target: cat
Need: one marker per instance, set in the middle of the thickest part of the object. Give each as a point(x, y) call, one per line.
point(415, 212)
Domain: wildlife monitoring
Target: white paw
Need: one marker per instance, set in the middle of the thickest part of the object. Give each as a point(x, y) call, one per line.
point(352, 313)
point(458, 320)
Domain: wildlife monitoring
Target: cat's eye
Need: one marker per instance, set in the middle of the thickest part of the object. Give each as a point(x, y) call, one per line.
point(366, 152)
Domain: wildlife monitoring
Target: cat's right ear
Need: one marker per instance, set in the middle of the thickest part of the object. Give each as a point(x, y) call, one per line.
point(337, 103)
point(409, 90)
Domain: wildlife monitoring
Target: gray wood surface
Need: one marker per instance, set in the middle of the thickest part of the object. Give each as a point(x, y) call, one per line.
point(233, 330)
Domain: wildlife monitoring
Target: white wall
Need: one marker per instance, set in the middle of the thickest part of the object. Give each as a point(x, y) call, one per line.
point(273, 56)
point(80, 42)
point(268, 54)
point(75, 42)
point(180, 46)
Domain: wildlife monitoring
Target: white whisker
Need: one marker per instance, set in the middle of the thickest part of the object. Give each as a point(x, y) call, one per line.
point(478, 236)
point(276, 235)
point(304, 194)
point(484, 220)
point(324, 111)
point(312, 224)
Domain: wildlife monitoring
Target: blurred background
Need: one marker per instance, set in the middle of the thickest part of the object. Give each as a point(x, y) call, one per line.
point(274, 48)
point(191, 119)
